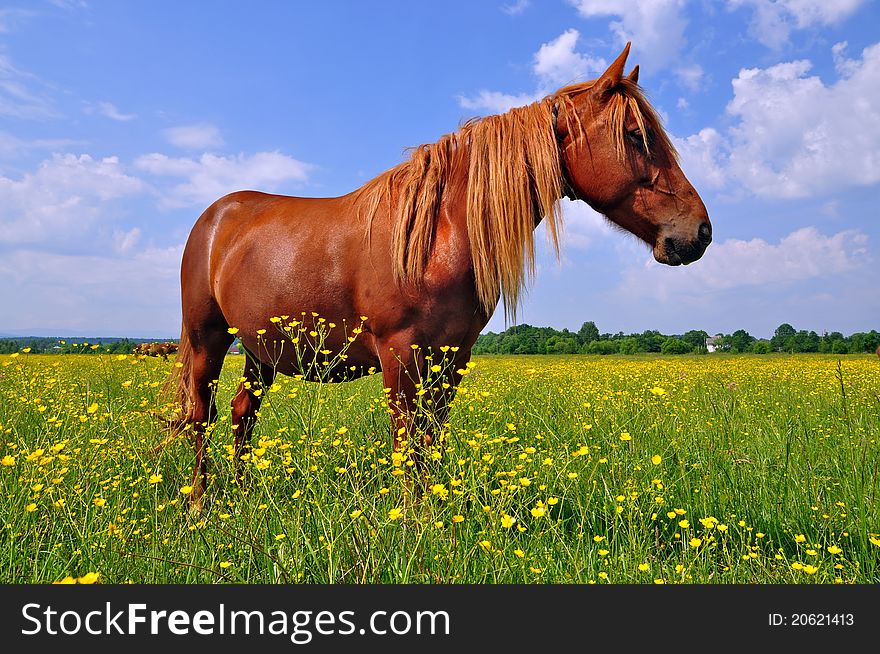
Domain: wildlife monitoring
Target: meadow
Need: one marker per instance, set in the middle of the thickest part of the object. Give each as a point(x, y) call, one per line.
point(551, 469)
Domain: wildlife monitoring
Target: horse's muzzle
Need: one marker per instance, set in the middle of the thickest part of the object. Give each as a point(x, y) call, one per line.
point(675, 251)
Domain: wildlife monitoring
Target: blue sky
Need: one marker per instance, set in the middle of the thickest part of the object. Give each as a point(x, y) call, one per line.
point(121, 121)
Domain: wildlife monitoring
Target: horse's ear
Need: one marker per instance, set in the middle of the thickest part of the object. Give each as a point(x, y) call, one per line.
point(634, 75)
point(611, 77)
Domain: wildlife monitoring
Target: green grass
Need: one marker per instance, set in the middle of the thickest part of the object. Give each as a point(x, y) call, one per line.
point(772, 461)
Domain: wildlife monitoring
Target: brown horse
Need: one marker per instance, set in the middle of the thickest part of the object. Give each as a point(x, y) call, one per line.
point(156, 349)
point(424, 251)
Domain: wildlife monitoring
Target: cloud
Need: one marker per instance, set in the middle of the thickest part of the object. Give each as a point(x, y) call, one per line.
point(773, 21)
point(656, 27)
point(554, 64)
point(494, 102)
point(18, 99)
point(136, 294)
point(516, 8)
point(805, 254)
point(109, 110)
point(798, 137)
point(704, 157)
point(794, 136)
point(194, 137)
point(59, 203)
point(211, 176)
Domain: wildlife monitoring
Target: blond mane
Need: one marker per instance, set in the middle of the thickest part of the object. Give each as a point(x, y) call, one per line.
point(515, 178)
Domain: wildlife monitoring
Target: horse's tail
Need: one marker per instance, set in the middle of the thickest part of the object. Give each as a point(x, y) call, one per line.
point(178, 391)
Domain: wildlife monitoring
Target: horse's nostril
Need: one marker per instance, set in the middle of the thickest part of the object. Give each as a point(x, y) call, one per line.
point(705, 233)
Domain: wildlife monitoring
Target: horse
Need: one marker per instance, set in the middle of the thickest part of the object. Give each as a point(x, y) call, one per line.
point(156, 349)
point(419, 257)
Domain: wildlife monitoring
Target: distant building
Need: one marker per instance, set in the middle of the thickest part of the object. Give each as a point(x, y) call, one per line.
point(713, 343)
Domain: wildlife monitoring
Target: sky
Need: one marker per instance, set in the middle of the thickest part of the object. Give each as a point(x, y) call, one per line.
point(120, 122)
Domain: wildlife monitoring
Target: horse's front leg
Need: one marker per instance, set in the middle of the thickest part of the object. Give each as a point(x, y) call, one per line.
point(256, 380)
point(420, 384)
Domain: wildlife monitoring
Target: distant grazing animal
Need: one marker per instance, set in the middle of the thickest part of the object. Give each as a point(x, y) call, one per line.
point(156, 349)
point(423, 252)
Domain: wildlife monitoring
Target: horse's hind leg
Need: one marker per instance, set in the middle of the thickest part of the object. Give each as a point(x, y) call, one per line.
point(257, 378)
point(208, 352)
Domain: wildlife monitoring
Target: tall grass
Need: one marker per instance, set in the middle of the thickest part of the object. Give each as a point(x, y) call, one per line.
point(580, 469)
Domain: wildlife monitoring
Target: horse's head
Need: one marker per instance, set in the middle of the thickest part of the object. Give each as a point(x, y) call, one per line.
point(617, 157)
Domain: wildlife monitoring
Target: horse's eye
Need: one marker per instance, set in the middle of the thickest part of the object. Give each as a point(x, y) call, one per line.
point(635, 135)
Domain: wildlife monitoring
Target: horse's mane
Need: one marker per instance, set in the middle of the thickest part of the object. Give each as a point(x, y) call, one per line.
point(514, 179)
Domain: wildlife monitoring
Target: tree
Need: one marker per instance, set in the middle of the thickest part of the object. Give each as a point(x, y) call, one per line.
point(588, 332)
point(761, 347)
point(739, 341)
point(696, 339)
point(782, 332)
point(673, 345)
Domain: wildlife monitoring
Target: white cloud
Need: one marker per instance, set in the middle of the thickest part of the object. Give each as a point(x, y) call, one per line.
point(516, 8)
point(137, 295)
point(774, 20)
point(583, 225)
point(63, 199)
point(704, 158)
point(17, 97)
point(109, 110)
point(798, 137)
point(655, 27)
point(794, 136)
point(194, 137)
point(494, 102)
point(557, 64)
point(124, 241)
point(212, 176)
point(802, 255)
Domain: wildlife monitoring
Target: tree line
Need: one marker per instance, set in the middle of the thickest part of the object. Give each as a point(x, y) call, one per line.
point(53, 345)
point(526, 339)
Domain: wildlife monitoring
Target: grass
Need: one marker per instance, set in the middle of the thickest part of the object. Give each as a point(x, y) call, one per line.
point(580, 469)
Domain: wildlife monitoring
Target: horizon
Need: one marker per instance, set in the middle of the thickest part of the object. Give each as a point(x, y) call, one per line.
point(117, 129)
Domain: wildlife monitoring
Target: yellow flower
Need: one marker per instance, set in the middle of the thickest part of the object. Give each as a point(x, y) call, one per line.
point(89, 578)
point(155, 479)
point(30, 508)
point(644, 567)
point(225, 564)
point(233, 330)
point(66, 580)
point(625, 436)
point(441, 490)
point(539, 510)
point(656, 459)
point(8, 460)
point(458, 518)
point(811, 569)
point(280, 536)
point(874, 540)
point(507, 521)
point(93, 407)
point(834, 549)
point(800, 538)
point(355, 514)
point(658, 391)
point(186, 490)
point(486, 545)
point(99, 501)
point(519, 553)
point(395, 513)
point(696, 542)
point(684, 524)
